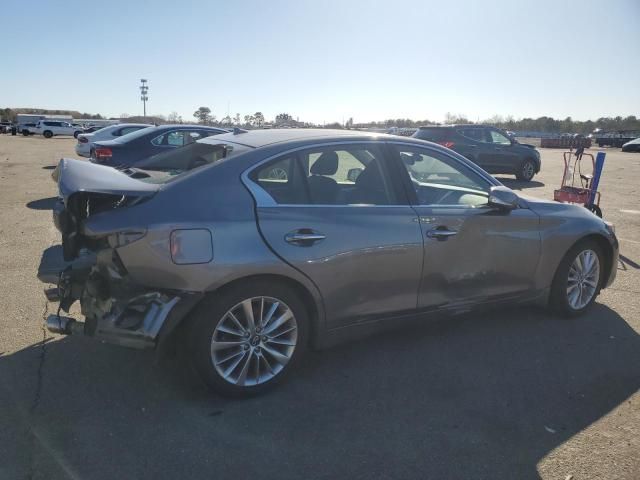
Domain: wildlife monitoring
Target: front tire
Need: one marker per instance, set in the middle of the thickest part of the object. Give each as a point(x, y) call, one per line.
point(47, 134)
point(76, 133)
point(578, 279)
point(527, 171)
point(245, 340)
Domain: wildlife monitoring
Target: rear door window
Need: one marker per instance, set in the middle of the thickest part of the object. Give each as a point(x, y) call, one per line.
point(476, 134)
point(333, 175)
point(283, 181)
point(431, 134)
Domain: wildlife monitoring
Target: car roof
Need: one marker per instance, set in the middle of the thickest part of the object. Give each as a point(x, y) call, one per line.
point(261, 138)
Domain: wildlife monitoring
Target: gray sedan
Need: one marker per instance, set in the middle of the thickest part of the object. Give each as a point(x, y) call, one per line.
point(251, 246)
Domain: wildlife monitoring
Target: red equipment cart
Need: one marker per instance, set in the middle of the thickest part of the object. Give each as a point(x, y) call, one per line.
point(578, 186)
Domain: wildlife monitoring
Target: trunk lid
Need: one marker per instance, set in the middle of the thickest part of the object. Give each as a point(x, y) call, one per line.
point(82, 176)
point(86, 189)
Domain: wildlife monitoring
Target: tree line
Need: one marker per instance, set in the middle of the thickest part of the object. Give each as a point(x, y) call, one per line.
point(205, 116)
point(540, 124)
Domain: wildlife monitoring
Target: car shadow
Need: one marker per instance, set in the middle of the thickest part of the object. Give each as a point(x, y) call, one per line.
point(42, 204)
point(514, 184)
point(479, 396)
point(49, 167)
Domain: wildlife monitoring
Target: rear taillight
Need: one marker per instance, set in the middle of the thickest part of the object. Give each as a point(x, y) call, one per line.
point(83, 140)
point(447, 144)
point(102, 153)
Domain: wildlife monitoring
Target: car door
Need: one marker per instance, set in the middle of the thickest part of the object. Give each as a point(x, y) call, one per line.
point(505, 158)
point(336, 214)
point(472, 253)
point(476, 147)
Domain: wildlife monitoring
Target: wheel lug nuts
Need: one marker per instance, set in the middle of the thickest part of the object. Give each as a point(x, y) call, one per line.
point(265, 338)
point(246, 347)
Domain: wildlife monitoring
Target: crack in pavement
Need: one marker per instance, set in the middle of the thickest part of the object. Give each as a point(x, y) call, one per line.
point(43, 358)
point(38, 393)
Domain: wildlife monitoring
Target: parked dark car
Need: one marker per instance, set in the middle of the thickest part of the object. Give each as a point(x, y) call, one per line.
point(93, 128)
point(489, 147)
point(632, 146)
point(128, 149)
point(615, 138)
point(251, 246)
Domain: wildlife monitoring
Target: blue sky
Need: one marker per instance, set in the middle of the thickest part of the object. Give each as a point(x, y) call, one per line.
point(325, 61)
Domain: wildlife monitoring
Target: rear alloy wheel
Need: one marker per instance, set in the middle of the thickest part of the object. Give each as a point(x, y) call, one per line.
point(527, 171)
point(245, 340)
point(76, 133)
point(47, 134)
point(578, 279)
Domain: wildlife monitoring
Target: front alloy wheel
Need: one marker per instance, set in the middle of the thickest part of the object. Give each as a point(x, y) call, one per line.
point(254, 341)
point(582, 281)
point(578, 278)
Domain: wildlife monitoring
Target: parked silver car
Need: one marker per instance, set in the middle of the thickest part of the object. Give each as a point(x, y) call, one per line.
point(254, 245)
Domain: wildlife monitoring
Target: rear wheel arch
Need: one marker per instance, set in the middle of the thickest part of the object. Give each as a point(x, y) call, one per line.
point(309, 301)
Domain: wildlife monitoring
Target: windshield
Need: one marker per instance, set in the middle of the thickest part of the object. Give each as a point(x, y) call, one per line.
point(133, 135)
point(166, 166)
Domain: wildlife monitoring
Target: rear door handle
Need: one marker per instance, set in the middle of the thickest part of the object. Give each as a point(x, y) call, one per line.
point(304, 237)
point(441, 233)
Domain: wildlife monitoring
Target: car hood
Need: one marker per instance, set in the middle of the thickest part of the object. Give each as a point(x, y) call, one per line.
point(82, 176)
point(552, 208)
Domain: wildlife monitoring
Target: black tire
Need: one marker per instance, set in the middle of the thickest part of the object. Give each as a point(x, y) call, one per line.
point(558, 299)
point(596, 209)
point(210, 313)
point(76, 133)
point(526, 171)
point(25, 133)
point(47, 134)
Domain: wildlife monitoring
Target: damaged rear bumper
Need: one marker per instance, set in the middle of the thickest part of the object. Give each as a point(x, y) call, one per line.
point(116, 309)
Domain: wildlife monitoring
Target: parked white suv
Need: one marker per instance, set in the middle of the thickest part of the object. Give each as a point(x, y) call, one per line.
point(49, 128)
point(83, 147)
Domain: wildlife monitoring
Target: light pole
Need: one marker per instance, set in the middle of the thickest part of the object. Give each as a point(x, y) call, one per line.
point(143, 95)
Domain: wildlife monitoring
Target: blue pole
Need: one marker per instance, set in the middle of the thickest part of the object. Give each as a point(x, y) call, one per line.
point(596, 177)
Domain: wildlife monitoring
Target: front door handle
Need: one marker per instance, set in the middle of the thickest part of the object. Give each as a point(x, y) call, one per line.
point(304, 237)
point(441, 233)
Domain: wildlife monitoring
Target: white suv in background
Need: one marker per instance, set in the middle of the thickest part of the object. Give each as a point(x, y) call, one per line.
point(49, 128)
point(83, 147)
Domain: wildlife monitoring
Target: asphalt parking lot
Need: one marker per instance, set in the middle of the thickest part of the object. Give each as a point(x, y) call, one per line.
point(510, 394)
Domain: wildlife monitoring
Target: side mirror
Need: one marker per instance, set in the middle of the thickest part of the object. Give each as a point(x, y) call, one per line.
point(353, 174)
point(503, 198)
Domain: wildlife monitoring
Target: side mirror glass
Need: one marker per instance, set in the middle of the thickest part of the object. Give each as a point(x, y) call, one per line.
point(353, 174)
point(503, 198)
